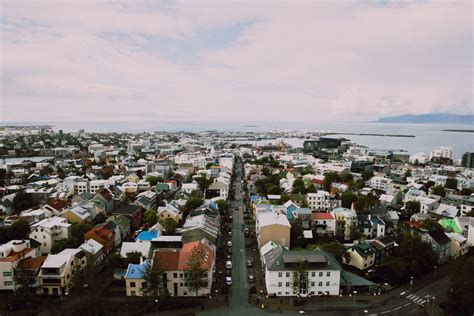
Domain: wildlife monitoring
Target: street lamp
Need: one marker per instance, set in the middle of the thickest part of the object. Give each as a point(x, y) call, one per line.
point(355, 292)
point(434, 274)
point(156, 306)
point(385, 291)
point(411, 283)
point(326, 293)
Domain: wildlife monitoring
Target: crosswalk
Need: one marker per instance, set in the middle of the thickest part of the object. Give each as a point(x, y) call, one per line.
point(418, 300)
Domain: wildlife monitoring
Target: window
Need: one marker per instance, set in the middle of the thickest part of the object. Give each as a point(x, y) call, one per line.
point(280, 284)
point(313, 283)
point(327, 283)
point(181, 284)
point(8, 273)
point(279, 293)
point(320, 283)
point(287, 284)
point(313, 274)
point(180, 275)
point(132, 293)
point(132, 284)
point(175, 275)
point(280, 274)
point(328, 274)
point(8, 283)
point(320, 274)
point(288, 274)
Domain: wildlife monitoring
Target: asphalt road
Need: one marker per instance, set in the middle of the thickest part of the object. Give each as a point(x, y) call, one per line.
point(415, 303)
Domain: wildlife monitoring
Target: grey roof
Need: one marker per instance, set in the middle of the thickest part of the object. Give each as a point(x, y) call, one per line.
point(280, 258)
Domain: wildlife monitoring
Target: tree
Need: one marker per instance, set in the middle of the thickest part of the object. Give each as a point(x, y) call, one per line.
point(299, 280)
point(451, 183)
point(78, 230)
point(466, 191)
point(19, 230)
point(439, 190)
point(194, 273)
point(330, 178)
point(347, 198)
point(311, 188)
point(22, 201)
point(418, 255)
point(470, 214)
point(134, 257)
point(203, 183)
point(430, 225)
point(170, 226)
point(337, 249)
point(367, 174)
point(347, 177)
point(150, 217)
point(412, 207)
point(107, 172)
point(192, 204)
point(296, 230)
point(24, 280)
point(461, 295)
point(114, 261)
point(154, 180)
point(155, 286)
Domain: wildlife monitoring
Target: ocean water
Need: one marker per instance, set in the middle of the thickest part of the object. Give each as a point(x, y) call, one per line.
point(427, 136)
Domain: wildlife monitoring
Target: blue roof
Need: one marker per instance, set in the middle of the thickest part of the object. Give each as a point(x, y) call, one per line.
point(147, 235)
point(135, 271)
point(255, 197)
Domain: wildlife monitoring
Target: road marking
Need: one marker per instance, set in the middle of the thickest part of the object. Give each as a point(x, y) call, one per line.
point(396, 309)
point(411, 295)
point(385, 312)
point(417, 300)
point(423, 302)
point(406, 304)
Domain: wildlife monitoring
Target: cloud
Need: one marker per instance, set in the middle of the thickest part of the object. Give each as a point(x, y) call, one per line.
point(234, 60)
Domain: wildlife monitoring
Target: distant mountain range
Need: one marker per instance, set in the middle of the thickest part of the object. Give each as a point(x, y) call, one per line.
point(442, 118)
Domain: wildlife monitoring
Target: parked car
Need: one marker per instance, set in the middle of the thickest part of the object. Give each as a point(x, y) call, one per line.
point(229, 233)
point(229, 250)
point(228, 281)
point(249, 263)
point(251, 278)
point(229, 243)
point(228, 257)
point(228, 264)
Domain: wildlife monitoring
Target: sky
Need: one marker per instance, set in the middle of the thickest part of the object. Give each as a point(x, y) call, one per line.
point(241, 60)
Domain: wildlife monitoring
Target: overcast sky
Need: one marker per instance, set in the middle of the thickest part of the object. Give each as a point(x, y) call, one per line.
point(254, 61)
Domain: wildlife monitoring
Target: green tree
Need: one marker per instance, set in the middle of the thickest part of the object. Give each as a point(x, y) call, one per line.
point(299, 279)
point(22, 201)
point(107, 172)
point(155, 287)
point(347, 198)
point(134, 257)
point(296, 230)
point(78, 230)
point(154, 180)
point(311, 188)
point(367, 174)
point(461, 295)
point(412, 207)
point(170, 226)
point(347, 177)
point(418, 255)
point(19, 230)
point(451, 183)
point(203, 183)
point(439, 190)
point(337, 249)
point(466, 191)
point(430, 225)
point(150, 217)
point(194, 273)
point(24, 280)
point(330, 178)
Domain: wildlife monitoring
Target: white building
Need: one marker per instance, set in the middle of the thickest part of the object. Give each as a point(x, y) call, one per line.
point(324, 272)
point(10, 255)
point(380, 183)
point(442, 152)
point(321, 201)
point(50, 230)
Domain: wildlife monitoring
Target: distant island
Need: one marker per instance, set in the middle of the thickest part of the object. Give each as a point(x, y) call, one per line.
point(440, 118)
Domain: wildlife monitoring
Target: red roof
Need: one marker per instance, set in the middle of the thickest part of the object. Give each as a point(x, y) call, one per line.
point(176, 259)
point(32, 263)
point(105, 193)
point(58, 204)
point(321, 215)
point(14, 256)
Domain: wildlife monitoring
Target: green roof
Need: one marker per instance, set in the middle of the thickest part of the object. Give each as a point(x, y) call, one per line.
point(450, 224)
